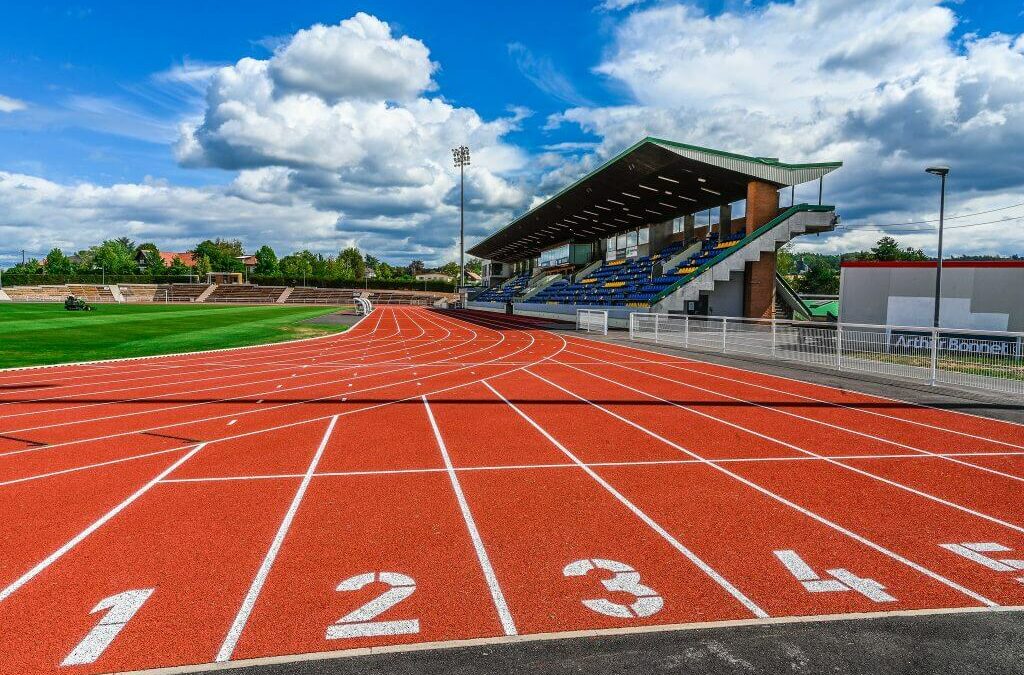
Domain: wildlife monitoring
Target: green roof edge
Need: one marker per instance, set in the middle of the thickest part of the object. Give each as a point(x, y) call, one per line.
point(653, 139)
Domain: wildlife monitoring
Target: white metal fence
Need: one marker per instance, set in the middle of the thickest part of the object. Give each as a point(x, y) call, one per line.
point(989, 360)
point(592, 321)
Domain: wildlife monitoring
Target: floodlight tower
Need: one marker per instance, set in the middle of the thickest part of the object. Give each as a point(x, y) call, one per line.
point(461, 157)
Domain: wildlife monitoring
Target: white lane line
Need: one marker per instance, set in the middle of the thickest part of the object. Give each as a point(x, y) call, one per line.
point(497, 596)
point(779, 498)
point(238, 625)
point(780, 411)
point(56, 555)
point(876, 397)
point(86, 467)
point(232, 422)
point(650, 522)
point(797, 448)
point(521, 467)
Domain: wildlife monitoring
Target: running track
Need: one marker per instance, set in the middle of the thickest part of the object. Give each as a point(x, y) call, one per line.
point(430, 477)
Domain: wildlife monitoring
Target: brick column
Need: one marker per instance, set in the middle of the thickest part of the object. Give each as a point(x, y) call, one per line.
point(759, 277)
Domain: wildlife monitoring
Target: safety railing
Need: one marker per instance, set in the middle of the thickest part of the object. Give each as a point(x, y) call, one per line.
point(987, 360)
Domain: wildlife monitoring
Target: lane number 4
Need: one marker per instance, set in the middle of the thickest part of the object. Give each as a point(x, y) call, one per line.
point(842, 579)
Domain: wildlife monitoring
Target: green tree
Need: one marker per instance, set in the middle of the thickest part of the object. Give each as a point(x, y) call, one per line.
point(30, 266)
point(353, 260)
point(58, 263)
point(416, 267)
point(115, 256)
point(266, 263)
point(297, 264)
point(202, 266)
point(820, 278)
point(450, 269)
point(178, 267)
point(785, 263)
point(475, 265)
point(222, 254)
point(385, 272)
point(154, 262)
point(888, 248)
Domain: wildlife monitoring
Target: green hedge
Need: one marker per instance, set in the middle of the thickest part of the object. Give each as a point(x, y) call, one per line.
point(378, 284)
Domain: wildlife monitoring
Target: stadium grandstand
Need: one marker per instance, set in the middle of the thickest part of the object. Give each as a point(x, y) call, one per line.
point(633, 235)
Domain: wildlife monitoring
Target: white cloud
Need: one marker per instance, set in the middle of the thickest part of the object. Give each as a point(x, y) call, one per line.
point(616, 5)
point(335, 138)
point(881, 85)
point(9, 105)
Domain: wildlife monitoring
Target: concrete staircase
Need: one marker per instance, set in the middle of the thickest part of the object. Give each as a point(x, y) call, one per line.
point(284, 296)
point(205, 294)
point(115, 291)
point(791, 223)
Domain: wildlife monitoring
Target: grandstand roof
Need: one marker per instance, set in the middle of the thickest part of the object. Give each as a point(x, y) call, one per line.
point(653, 181)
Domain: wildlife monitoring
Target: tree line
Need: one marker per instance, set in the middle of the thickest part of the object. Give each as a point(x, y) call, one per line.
point(123, 256)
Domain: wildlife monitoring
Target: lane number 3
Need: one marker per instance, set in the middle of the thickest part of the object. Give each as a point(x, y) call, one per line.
point(624, 579)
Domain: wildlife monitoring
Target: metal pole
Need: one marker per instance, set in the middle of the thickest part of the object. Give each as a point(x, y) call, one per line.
point(462, 225)
point(935, 354)
point(821, 187)
point(938, 266)
point(839, 346)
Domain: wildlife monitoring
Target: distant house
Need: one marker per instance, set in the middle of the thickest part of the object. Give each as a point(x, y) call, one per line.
point(248, 261)
point(167, 256)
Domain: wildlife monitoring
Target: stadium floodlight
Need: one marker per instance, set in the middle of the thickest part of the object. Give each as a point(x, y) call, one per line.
point(941, 172)
point(460, 156)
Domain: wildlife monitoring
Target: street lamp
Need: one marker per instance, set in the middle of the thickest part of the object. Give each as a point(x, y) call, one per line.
point(103, 270)
point(941, 172)
point(461, 157)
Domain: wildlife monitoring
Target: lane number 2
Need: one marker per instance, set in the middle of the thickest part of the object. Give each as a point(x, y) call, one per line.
point(121, 608)
point(624, 579)
point(842, 579)
point(360, 622)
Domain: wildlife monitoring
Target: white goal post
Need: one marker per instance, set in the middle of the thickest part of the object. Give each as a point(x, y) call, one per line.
point(592, 321)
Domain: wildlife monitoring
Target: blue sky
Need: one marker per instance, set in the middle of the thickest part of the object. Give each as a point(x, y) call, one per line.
point(108, 126)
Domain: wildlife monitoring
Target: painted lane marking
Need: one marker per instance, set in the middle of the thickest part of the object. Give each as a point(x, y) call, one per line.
point(232, 422)
point(121, 608)
point(813, 420)
point(77, 539)
point(842, 579)
point(500, 604)
point(360, 622)
point(624, 579)
point(238, 625)
point(782, 500)
point(824, 458)
point(976, 551)
point(650, 522)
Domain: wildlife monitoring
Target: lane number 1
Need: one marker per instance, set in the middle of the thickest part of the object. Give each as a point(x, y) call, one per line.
point(121, 608)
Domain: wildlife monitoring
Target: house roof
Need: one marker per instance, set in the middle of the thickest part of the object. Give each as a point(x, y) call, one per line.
point(169, 256)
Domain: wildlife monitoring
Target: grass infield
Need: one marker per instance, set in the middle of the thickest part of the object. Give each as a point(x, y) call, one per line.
point(36, 334)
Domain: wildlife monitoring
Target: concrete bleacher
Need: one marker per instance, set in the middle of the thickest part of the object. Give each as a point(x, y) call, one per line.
point(302, 295)
point(37, 293)
point(187, 292)
point(145, 292)
point(245, 294)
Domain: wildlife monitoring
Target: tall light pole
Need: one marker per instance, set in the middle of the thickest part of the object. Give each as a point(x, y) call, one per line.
point(941, 172)
point(461, 157)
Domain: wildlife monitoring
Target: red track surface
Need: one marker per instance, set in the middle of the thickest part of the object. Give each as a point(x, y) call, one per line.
point(468, 475)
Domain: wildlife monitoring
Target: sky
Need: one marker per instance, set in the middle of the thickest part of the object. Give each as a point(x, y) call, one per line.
point(321, 125)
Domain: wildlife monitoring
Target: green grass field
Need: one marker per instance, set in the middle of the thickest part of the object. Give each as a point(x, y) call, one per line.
point(34, 334)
